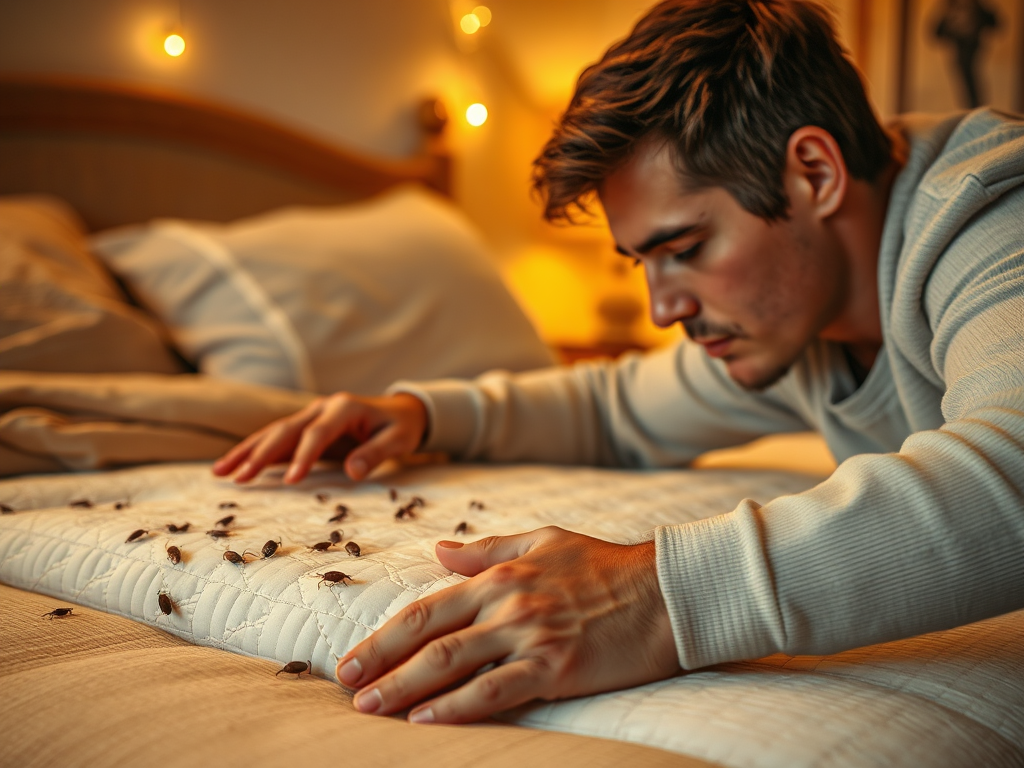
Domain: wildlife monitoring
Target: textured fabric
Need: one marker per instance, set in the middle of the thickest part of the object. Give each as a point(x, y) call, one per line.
point(52, 422)
point(323, 300)
point(949, 699)
point(59, 308)
point(98, 690)
point(920, 528)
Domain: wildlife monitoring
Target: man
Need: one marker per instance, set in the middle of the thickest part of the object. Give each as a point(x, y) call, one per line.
point(828, 273)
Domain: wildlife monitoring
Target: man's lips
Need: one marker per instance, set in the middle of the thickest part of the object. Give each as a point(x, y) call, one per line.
point(716, 347)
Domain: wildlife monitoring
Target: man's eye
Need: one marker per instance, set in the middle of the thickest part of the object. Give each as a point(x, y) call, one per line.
point(687, 254)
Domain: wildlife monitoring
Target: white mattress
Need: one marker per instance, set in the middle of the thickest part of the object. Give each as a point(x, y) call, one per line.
point(948, 699)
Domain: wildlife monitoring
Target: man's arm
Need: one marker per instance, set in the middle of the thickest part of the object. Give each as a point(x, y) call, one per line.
point(656, 410)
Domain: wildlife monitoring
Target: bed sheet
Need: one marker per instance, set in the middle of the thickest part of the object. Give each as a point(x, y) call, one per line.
point(954, 698)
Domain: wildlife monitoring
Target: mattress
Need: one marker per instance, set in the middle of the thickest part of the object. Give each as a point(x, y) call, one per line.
point(953, 698)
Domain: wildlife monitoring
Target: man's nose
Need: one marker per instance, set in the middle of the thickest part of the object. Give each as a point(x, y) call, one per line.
point(668, 308)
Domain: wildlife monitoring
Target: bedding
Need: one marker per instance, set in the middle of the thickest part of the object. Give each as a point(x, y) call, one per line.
point(953, 698)
point(329, 299)
point(60, 310)
point(51, 422)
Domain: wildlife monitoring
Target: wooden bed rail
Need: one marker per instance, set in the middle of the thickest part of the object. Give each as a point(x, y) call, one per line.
point(38, 110)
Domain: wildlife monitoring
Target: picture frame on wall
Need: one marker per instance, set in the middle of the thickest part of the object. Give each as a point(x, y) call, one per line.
point(958, 54)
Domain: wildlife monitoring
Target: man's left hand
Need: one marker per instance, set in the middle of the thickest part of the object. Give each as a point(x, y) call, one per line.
point(557, 614)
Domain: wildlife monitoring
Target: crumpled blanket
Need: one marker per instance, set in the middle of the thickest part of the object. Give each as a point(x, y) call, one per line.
point(55, 422)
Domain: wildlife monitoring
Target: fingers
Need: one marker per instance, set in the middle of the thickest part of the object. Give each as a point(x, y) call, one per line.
point(437, 665)
point(322, 426)
point(494, 691)
point(337, 417)
point(477, 556)
point(415, 625)
point(274, 442)
point(393, 440)
point(227, 463)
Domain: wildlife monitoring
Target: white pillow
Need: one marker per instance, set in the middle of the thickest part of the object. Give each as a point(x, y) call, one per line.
point(327, 299)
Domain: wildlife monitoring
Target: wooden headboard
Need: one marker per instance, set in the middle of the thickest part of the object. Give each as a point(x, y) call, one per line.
point(121, 155)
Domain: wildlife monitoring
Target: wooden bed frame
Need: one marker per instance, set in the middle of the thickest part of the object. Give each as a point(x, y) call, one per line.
point(122, 154)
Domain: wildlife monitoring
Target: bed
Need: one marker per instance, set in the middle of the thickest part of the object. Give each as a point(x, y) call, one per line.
point(177, 658)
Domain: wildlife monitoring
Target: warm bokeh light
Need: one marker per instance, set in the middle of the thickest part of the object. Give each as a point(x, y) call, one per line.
point(174, 45)
point(476, 114)
point(483, 15)
point(470, 23)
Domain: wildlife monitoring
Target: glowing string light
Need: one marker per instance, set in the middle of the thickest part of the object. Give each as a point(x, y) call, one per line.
point(174, 45)
point(476, 114)
point(470, 23)
point(483, 15)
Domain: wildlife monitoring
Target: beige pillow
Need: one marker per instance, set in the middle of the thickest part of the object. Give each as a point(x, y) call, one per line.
point(328, 299)
point(59, 308)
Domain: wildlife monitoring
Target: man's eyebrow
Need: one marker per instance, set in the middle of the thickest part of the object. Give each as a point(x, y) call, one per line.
point(659, 237)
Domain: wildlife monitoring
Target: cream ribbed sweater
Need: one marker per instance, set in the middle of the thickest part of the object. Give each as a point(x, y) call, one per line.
point(922, 525)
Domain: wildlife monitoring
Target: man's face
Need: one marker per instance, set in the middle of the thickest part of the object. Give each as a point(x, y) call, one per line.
point(753, 293)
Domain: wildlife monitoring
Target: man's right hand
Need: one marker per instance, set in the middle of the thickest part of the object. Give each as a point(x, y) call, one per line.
point(365, 431)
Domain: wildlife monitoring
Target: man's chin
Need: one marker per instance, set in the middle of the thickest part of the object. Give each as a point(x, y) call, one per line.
point(754, 378)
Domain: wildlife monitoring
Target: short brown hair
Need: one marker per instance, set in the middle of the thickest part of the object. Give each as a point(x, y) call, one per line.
point(725, 82)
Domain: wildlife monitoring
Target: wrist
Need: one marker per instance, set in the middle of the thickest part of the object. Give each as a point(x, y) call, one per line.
point(417, 418)
point(653, 621)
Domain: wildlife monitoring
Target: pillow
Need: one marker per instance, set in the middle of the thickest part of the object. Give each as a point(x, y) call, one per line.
point(327, 299)
point(59, 308)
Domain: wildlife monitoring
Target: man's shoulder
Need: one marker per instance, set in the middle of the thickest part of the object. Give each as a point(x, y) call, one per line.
point(986, 148)
point(956, 165)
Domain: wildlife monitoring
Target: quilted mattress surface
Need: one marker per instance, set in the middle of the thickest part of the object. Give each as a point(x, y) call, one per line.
point(953, 698)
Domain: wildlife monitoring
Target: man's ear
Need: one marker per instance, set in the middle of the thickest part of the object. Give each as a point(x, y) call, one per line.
point(817, 170)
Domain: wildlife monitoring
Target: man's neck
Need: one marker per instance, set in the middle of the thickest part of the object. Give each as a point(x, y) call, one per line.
point(858, 228)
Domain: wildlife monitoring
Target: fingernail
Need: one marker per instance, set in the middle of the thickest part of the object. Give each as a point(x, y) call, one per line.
point(291, 474)
point(425, 715)
point(358, 466)
point(369, 701)
point(450, 544)
point(350, 671)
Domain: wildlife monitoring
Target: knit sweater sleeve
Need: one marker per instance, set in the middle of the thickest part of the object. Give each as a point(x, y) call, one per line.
point(655, 410)
point(897, 544)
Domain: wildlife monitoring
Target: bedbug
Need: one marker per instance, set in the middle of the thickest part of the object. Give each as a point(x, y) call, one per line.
point(392, 494)
point(178, 528)
point(6, 510)
point(122, 505)
point(227, 505)
point(135, 535)
point(336, 537)
point(342, 513)
point(332, 578)
point(166, 606)
point(174, 554)
point(217, 533)
point(353, 549)
point(405, 512)
point(270, 548)
point(474, 504)
point(418, 501)
point(296, 668)
point(81, 504)
point(238, 559)
point(224, 522)
point(461, 527)
point(322, 546)
point(58, 613)
point(322, 498)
